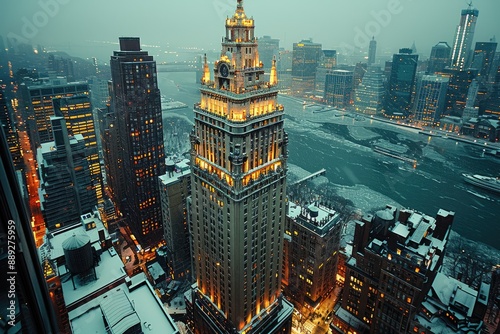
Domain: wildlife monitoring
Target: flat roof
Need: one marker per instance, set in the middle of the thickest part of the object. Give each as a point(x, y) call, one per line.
point(136, 297)
point(55, 239)
point(109, 271)
point(182, 168)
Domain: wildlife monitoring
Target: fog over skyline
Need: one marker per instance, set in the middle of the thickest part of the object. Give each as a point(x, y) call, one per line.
point(92, 28)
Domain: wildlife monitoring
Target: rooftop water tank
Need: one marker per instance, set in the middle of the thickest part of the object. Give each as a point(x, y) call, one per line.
point(78, 254)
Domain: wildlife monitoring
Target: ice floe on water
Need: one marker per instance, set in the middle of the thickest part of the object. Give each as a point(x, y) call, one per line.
point(430, 153)
point(361, 133)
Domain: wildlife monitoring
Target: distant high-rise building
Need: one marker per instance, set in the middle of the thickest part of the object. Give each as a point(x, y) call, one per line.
point(306, 57)
point(78, 113)
point(141, 157)
point(7, 121)
point(430, 100)
point(440, 57)
point(37, 105)
point(175, 187)
point(401, 84)
point(458, 89)
point(491, 106)
point(470, 110)
point(238, 194)
point(484, 54)
point(284, 64)
point(369, 96)
point(359, 73)
point(66, 189)
point(61, 67)
point(395, 258)
point(327, 63)
point(268, 50)
point(372, 51)
point(462, 44)
point(338, 88)
point(311, 268)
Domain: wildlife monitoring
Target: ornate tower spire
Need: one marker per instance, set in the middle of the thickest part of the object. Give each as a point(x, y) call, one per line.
point(273, 79)
point(206, 71)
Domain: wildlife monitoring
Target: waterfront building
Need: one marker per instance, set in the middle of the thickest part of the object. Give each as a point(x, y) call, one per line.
point(401, 84)
point(369, 96)
point(440, 57)
point(358, 74)
point(462, 44)
point(311, 265)
point(430, 100)
point(372, 51)
point(306, 57)
point(491, 106)
point(136, 104)
point(238, 194)
point(66, 188)
point(175, 187)
point(268, 50)
point(327, 63)
point(338, 88)
point(36, 99)
point(458, 89)
point(79, 116)
point(396, 256)
point(484, 54)
point(452, 306)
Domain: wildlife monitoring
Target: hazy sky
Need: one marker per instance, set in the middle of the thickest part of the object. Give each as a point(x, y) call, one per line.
point(80, 27)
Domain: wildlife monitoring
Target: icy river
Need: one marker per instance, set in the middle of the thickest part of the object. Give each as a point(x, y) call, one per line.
point(343, 146)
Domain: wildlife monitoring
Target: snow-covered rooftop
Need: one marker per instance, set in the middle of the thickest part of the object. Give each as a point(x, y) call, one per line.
point(109, 271)
point(305, 215)
point(54, 240)
point(181, 168)
point(132, 303)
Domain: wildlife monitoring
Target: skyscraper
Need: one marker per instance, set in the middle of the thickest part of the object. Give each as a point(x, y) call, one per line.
point(7, 121)
point(306, 57)
point(66, 190)
point(238, 166)
point(401, 84)
point(338, 88)
point(141, 157)
point(77, 111)
point(484, 53)
point(430, 100)
point(328, 62)
point(369, 95)
point(462, 44)
point(37, 104)
point(175, 187)
point(314, 231)
point(268, 49)
point(372, 51)
point(440, 57)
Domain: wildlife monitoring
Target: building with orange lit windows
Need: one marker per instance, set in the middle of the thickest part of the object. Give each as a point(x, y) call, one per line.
point(136, 103)
point(238, 192)
point(77, 111)
point(314, 233)
point(395, 258)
